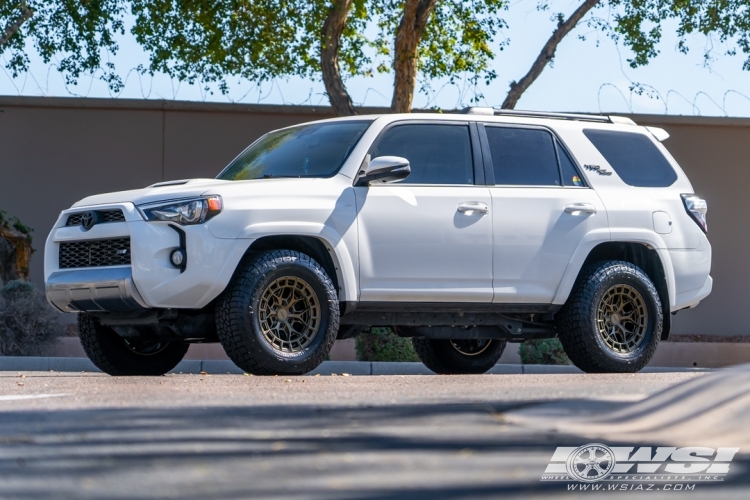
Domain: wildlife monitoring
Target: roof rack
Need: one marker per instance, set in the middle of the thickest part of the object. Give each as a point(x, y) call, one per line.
point(542, 114)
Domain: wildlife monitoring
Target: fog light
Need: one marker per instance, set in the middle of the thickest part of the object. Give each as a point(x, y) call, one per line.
point(178, 257)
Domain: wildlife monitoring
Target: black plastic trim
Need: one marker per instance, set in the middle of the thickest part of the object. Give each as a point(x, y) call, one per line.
point(183, 246)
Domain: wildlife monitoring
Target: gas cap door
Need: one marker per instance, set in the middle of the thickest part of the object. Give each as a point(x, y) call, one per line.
point(662, 223)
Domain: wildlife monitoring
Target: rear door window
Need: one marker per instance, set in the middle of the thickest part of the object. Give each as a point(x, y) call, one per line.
point(634, 157)
point(570, 174)
point(523, 156)
point(437, 153)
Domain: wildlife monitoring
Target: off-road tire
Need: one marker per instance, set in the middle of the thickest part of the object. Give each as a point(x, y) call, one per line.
point(440, 356)
point(110, 353)
point(576, 321)
point(238, 327)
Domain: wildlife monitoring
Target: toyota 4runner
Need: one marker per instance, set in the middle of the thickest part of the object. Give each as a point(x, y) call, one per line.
point(462, 232)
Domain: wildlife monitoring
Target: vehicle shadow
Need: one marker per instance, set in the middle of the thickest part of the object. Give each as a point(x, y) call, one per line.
point(435, 451)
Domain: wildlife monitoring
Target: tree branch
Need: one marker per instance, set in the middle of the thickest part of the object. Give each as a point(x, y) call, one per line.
point(408, 36)
point(547, 54)
point(12, 28)
point(330, 46)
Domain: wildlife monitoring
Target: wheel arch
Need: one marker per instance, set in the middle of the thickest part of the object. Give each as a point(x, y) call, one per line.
point(316, 247)
point(655, 263)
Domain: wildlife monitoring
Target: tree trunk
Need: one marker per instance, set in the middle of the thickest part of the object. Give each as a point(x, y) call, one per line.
point(15, 254)
point(329, 58)
point(405, 58)
point(547, 54)
point(12, 28)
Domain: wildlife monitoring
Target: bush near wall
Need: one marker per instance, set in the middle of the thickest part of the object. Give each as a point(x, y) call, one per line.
point(543, 352)
point(28, 324)
point(381, 344)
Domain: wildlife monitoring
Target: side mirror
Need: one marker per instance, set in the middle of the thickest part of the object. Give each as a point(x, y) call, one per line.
point(383, 170)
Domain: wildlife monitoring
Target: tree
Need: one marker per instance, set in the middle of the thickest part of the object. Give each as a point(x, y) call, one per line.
point(638, 26)
point(564, 26)
point(406, 52)
point(15, 249)
point(76, 32)
point(212, 40)
point(330, 47)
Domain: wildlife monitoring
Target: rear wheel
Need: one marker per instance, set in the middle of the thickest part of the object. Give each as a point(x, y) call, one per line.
point(457, 357)
point(116, 355)
point(612, 321)
point(280, 314)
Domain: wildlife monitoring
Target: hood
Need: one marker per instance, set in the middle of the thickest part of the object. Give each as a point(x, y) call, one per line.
point(171, 190)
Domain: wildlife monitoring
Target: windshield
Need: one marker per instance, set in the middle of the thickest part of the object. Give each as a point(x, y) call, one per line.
point(317, 150)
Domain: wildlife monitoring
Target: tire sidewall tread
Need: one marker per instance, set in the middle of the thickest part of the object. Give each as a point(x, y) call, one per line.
point(576, 321)
point(237, 325)
point(442, 358)
point(108, 351)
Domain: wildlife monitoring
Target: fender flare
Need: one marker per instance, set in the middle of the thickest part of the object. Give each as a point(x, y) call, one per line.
point(333, 241)
point(599, 236)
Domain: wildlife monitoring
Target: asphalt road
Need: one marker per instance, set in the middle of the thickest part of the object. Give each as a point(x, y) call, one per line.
point(84, 436)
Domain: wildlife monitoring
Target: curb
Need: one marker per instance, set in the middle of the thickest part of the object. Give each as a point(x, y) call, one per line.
point(219, 367)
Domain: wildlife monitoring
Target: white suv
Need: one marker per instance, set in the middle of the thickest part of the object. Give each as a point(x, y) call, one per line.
point(462, 231)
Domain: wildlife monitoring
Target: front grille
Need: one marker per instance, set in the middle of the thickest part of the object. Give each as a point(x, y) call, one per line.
point(103, 216)
point(95, 253)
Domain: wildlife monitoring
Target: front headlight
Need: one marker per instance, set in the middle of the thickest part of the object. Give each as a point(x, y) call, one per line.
point(183, 212)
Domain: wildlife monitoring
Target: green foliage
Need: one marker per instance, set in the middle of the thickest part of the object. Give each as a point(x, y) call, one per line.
point(543, 352)
point(13, 222)
point(381, 344)
point(458, 39)
point(75, 33)
point(28, 324)
point(212, 40)
point(638, 24)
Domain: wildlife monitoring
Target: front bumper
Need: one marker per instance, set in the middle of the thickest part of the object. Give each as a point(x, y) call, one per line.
point(104, 289)
point(150, 281)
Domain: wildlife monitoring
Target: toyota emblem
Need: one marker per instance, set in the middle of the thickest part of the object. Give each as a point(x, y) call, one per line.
point(88, 220)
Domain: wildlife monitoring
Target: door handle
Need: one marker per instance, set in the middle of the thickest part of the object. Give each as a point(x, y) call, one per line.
point(580, 208)
point(471, 207)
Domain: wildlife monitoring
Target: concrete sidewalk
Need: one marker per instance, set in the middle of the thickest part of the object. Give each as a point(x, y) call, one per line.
point(217, 367)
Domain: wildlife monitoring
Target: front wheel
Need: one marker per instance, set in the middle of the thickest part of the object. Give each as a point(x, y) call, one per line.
point(612, 321)
point(116, 355)
point(280, 314)
point(458, 357)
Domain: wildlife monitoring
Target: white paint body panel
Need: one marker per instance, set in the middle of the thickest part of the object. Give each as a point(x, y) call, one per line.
point(408, 243)
point(535, 239)
point(416, 247)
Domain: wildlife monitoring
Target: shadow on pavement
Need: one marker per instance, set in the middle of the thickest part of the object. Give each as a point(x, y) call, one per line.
point(435, 451)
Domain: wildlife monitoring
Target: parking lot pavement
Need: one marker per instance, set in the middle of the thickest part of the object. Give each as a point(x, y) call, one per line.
point(83, 436)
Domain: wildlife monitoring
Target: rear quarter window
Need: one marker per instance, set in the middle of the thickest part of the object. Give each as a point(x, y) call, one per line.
point(634, 157)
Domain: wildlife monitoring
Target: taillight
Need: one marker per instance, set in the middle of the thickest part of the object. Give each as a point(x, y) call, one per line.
point(697, 208)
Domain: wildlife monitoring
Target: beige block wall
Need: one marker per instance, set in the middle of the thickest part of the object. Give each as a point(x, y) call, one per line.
point(55, 151)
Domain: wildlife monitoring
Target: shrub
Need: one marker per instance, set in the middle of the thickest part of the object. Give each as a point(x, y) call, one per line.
point(28, 324)
point(543, 352)
point(381, 344)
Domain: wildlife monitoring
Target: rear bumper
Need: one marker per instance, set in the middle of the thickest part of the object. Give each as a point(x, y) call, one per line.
point(103, 289)
point(691, 298)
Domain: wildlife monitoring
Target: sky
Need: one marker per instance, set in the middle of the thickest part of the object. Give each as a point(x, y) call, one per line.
point(590, 75)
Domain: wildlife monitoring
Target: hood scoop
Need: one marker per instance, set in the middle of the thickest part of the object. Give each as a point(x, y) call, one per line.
point(170, 183)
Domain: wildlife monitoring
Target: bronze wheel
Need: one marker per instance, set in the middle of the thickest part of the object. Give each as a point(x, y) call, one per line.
point(622, 318)
point(289, 314)
point(612, 320)
point(280, 314)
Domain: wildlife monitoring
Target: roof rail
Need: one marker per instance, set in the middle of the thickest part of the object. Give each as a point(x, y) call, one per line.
point(539, 114)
